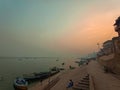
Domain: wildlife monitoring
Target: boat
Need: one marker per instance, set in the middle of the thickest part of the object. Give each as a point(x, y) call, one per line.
point(20, 84)
point(61, 68)
point(38, 76)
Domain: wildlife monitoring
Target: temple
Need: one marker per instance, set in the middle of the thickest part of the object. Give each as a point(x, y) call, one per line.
point(117, 25)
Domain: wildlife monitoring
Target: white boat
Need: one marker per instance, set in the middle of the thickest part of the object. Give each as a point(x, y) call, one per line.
point(20, 84)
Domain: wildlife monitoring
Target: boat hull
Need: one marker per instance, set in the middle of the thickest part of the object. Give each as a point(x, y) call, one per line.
point(20, 84)
point(20, 87)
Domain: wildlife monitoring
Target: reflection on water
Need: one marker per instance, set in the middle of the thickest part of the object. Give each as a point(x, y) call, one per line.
point(15, 67)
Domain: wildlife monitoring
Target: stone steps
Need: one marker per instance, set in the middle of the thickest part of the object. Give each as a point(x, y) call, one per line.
point(82, 84)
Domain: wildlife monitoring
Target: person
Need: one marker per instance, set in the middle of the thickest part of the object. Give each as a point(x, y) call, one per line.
point(70, 84)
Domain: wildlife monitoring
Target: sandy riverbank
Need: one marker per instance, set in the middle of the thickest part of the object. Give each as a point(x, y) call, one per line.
point(40, 86)
point(102, 80)
point(64, 77)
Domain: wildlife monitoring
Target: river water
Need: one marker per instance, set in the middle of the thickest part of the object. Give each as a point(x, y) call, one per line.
point(12, 67)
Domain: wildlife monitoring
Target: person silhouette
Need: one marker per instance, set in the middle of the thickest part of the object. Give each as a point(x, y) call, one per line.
point(70, 84)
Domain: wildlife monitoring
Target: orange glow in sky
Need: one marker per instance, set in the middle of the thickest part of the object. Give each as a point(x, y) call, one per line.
point(84, 38)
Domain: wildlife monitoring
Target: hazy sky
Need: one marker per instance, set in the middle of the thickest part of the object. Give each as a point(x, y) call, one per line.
point(55, 27)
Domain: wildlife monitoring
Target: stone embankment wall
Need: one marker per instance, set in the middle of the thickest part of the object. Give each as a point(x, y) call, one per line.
point(112, 62)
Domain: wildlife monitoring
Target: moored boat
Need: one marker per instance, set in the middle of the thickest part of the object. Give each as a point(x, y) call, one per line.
point(20, 84)
point(38, 76)
point(35, 76)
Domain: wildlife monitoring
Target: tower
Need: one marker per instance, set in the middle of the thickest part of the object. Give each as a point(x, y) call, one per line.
point(117, 26)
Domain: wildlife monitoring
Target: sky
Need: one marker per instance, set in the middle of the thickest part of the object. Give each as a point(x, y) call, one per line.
point(46, 28)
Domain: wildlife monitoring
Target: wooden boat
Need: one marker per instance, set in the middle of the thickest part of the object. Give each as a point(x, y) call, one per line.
point(38, 76)
point(20, 84)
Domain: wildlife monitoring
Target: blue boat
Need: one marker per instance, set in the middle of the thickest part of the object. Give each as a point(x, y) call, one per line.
point(20, 84)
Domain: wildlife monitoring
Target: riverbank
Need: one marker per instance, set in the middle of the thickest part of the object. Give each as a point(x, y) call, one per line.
point(76, 75)
point(102, 80)
point(61, 80)
point(41, 85)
